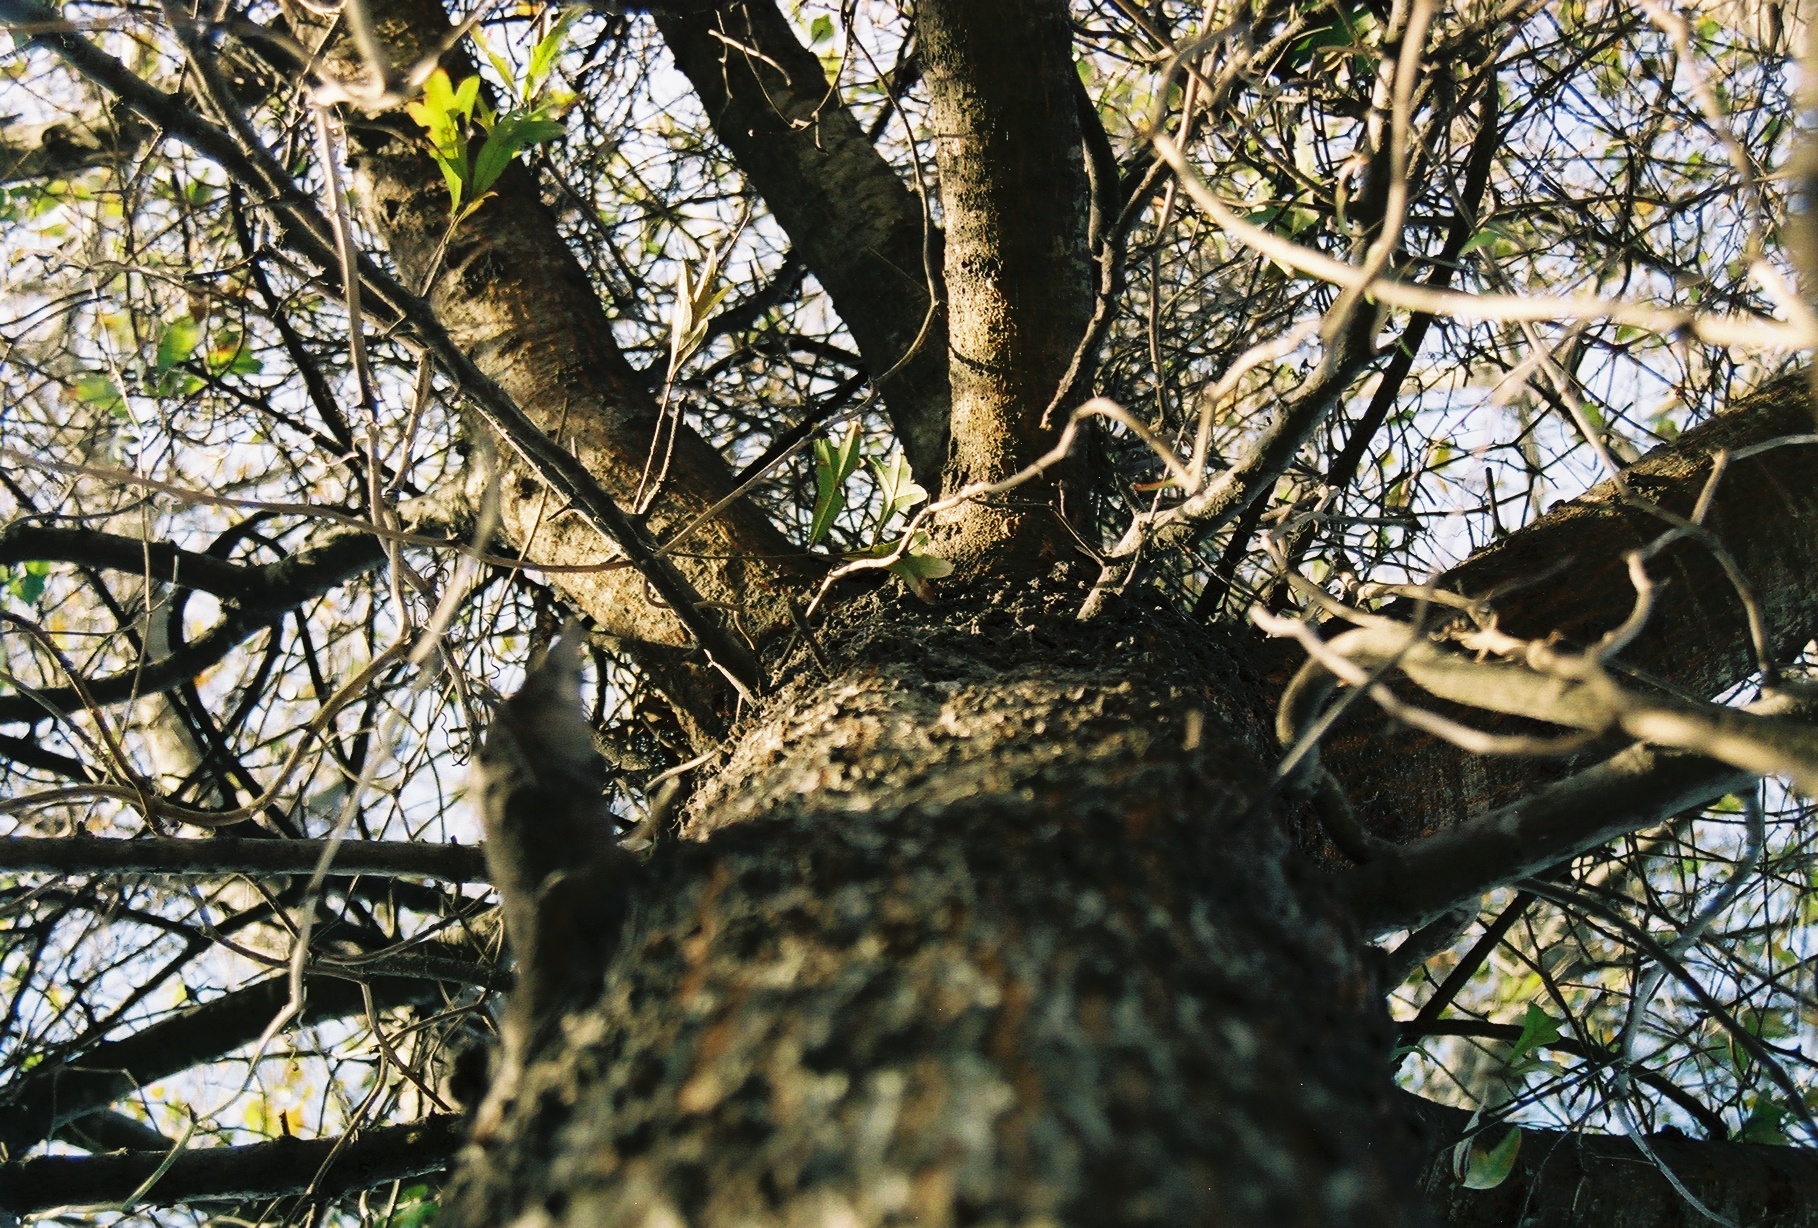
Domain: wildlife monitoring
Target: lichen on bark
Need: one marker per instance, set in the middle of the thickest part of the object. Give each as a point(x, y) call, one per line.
point(976, 931)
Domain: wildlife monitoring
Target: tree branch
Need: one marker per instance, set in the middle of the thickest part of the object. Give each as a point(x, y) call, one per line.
point(258, 595)
point(321, 1168)
point(852, 220)
point(269, 586)
point(1567, 1180)
point(60, 150)
point(51, 1096)
point(1635, 789)
point(1567, 573)
point(453, 863)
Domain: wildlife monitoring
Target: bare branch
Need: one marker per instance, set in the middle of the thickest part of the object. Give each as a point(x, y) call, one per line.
point(453, 863)
point(323, 1168)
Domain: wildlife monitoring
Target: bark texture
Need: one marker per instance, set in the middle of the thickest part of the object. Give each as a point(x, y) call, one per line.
point(1563, 1180)
point(979, 931)
point(1566, 573)
point(509, 291)
point(852, 219)
point(1016, 202)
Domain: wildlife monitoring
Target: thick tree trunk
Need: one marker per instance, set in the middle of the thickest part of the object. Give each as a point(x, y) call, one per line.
point(977, 930)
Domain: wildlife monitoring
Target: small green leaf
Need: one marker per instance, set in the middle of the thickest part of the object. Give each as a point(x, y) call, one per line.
point(916, 568)
point(543, 55)
point(499, 63)
point(509, 135)
point(180, 340)
point(1485, 1170)
point(494, 156)
point(1537, 1029)
point(820, 30)
point(28, 584)
point(416, 1208)
point(99, 390)
point(1488, 236)
point(229, 356)
point(1764, 1123)
point(833, 464)
point(897, 487)
point(465, 95)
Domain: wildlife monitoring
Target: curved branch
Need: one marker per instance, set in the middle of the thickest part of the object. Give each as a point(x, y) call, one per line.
point(257, 595)
point(162, 561)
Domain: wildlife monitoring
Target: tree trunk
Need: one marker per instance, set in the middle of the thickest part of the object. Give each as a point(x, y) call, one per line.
point(975, 930)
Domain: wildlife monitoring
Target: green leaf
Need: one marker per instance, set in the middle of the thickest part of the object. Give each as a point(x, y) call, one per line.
point(99, 390)
point(820, 30)
point(494, 156)
point(1485, 1170)
point(499, 63)
point(1537, 1029)
point(1488, 236)
point(916, 568)
point(416, 1207)
point(1344, 32)
point(543, 55)
point(180, 340)
point(28, 584)
point(510, 134)
point(465, 95)
point(1764, 1123)
point(229, 356)
point(897, 487)
point(833, 464)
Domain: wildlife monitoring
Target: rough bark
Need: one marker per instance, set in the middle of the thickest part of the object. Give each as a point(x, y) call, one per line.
point(980, 930)
point(511, 294)
point(852, 219)
point(1566, 573)
point(1564, 1180)
point(1016, 204)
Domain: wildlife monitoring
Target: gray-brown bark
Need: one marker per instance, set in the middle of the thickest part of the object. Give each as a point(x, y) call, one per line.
point(1016, 202)
point(977, 931)
point(1563, 1180)
point(510, 293)
point(1566, 573)
point(852, 219)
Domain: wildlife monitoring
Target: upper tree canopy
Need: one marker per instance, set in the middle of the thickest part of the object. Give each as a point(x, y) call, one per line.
point(1443, 357)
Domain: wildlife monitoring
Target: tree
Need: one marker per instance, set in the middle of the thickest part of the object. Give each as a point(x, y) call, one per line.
point(1034, 481)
